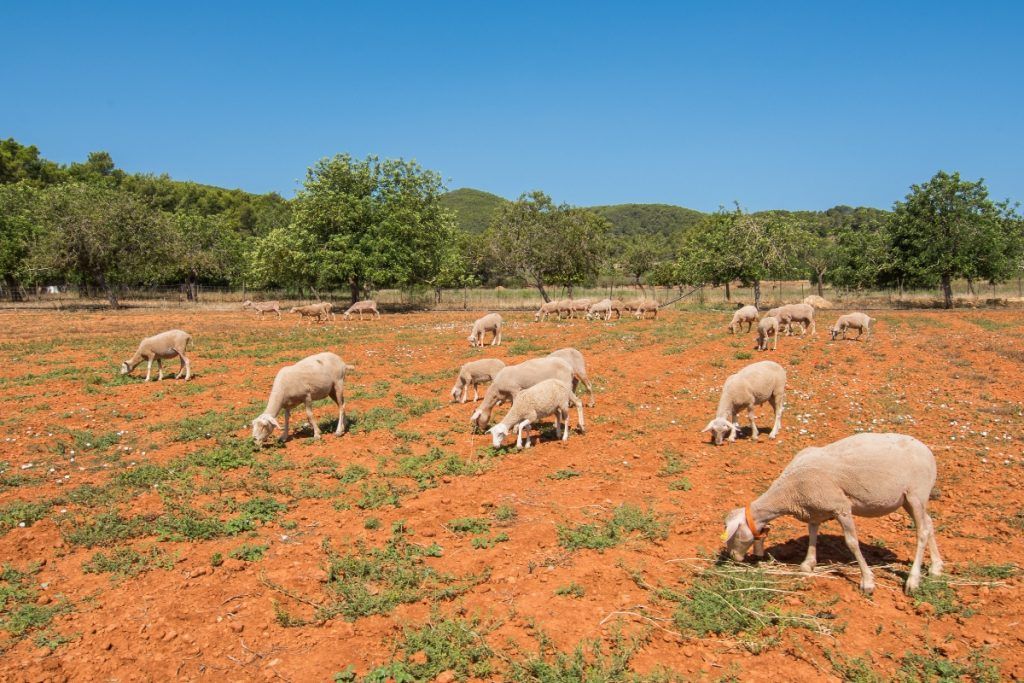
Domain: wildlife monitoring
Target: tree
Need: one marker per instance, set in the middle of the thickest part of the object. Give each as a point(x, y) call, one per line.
point(373, 222)
point(284, 258)
point(641, 254)
point(19, 231)
point(948, 228)
point(101, 237)
point(547, 243)
point(204, 250)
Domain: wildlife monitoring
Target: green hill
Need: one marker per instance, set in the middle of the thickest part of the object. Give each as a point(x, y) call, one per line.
point(474, 208)
point(645, 219)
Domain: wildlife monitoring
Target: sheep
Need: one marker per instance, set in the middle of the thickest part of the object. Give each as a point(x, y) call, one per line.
point(262, 307)
point(858, 321)
point(489, 323)
point(158, 347)
point(645, 307)
point(547, 308)
point(767, 327)
point(747, 314)
point(633, 304)
point(311, 379)
point(604, 308)
point(369, 305)
point(475, 373)
point(867, 475)
point(751, 386)
point(318, 311)
point(514, 378)
point(579, 306)
point(530, 405)
point(790, 313)
point(579, 369)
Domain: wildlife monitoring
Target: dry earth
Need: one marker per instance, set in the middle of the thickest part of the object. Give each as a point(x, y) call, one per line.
point(144, 538)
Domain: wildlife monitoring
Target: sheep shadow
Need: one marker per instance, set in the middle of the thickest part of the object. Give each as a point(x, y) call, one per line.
point(831, 550)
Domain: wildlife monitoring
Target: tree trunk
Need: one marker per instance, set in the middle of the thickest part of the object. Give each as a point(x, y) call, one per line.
point(821, 290)
point(947, 291)
point(728, 293)
point(757, 294)
point(540, 288)
point(13, 288)
point(355, 288)
point(970, 286)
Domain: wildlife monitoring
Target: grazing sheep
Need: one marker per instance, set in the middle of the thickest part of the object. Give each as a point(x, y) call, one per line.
point(489, 323)
point(579, 369)
point(547, 308)
point(311, 379)
point(645, 307)
point(751, 386)
point(747, 314)
point(322, 310)
point(633, 304)
point(550, 397)
point(514, 378)
point(795, 313)
point(858, 321)
point(579, 306)
point(817, 301)
point(475, 373)
point(369, 305)
point(262, 307)
point(158, 347)
point(604, 308)
point(866, 475)
point(767, 327)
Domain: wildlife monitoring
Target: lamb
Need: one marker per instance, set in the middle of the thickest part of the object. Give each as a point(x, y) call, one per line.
point(645, 307)
point(604, 308)
point(747, 314)
point(579, 369)
point(858, 321)
point(368, 305)
point(319, 310)
point(751, 386)
point(475, 373)
point(262, 307)
point(550, 397)
point(158, 347)
point(311, 379)
point(547, 308)
point(767, 327)
point(489, 323)
point(867, 475)
point(514, 378)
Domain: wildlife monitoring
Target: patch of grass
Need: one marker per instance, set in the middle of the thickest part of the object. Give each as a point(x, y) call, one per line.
point(249, 552)
point(994, 572)
point(486, 542)
point(416, 406)
point(204, 426)
point(87, 441)
point(934, 667)
point(378, 417)
point(627, 521)
point(673, 463)
point(126, 562)
point(937, 592)
point(680, 485)
point(371, 523)
point(454, 645)
point(20, 611)
point(22, 513)
point(107, 528)
point(588, 662)
point(573, 590)
point(853, 669)
point(426, 469)
point(379, 389)
point(377, 495)
point(743, 355)
point(505, 514)
point(469, 525)
point(561, 475)
point(427, 377)
point(522, 347)
point(227, 455)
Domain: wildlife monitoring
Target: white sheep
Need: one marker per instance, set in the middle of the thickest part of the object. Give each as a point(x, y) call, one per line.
point(547, 308)
point(579, 306)
point(475, 373)
point(866, 475)
point(579, 368)
point(311, 379)
point(368, 305)
point(550, 397)
point(489, 323)
point(767, 327)
point(514, 378)
point(320, 311)
point(159, 347)
point(858, 321)
point(755, 384)
point(747, 314)
point(645, 307)
point(604, 308)
point(262, 307)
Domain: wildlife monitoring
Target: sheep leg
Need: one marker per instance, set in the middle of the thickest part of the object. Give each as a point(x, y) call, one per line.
point(933, 548)
point(590, 389)
point(753, 423)
point(339, 398)
point(778, 406)
point(923, 525)
point(186, 365)
point(579, 416)
point(497, 336)
point(284, 434)
point(807, 565)
point(312, 420)
point(867, 579)
point(476, 394)
point(160, 370)
point(558, 425)
point(149, 369)
point(465, 393)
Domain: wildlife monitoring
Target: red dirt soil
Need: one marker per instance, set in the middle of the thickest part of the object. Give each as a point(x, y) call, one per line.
point(949, 379)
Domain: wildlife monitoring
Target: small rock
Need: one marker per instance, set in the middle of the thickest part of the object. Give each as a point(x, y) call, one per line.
point(419, 657)
point(169, 635)
point(445, 677)
point(237, 627)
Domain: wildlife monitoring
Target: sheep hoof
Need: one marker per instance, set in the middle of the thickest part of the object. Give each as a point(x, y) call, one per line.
point(913, 583)
point(867, 587)
point(807, 568)
point(935, 569)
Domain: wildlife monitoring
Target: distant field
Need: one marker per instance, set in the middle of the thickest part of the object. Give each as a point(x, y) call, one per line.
point(144, 537)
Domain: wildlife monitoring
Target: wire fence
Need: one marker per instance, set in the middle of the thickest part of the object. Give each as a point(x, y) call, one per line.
point(521, 299)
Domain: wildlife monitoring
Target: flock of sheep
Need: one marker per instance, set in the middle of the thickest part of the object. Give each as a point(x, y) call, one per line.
point(866, 475)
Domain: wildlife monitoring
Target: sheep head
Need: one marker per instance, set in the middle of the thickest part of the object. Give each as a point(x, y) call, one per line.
point(737, 536)
point(719, 427)
point(262, 427)
point(479, 419)
point(126, 367)
point(498, 433)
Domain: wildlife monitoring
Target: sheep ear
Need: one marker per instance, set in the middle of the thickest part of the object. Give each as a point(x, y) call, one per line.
point(708, 428)
point(731, 527)
point(273, 421)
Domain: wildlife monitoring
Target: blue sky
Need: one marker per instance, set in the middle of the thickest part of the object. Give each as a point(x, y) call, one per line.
point(775, 105)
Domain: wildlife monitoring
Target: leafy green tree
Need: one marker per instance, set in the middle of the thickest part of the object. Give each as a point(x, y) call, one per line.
point(101, 237)
point(948, 228)
point(285, 257)
point(20, 162)
point(547, 243)
point(19, 231)
point(205, 250)
point(373, 222)
point(641, 254)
